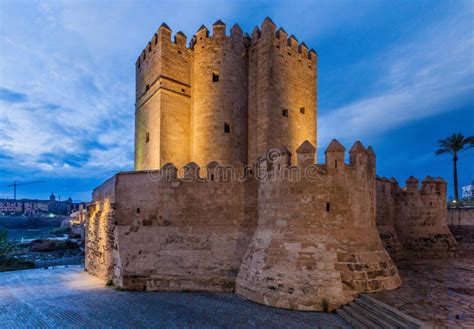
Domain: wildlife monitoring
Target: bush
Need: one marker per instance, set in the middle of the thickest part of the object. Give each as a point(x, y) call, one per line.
point(52, 245)
point(59, 230)
point(5, 246)
point(12, 264)
point(7, 263)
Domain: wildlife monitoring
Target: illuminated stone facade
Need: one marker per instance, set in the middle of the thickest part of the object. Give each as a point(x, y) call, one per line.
point(227, 195)
point(225, 98)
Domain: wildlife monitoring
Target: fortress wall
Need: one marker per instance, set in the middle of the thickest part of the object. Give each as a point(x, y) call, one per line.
point(163, 104)
point(461, 223)
point(316, 237)
point(282, 77)
point(419, 218)
point(216, 103)
point(385, 216)
point(181, 234)
point(99, 237)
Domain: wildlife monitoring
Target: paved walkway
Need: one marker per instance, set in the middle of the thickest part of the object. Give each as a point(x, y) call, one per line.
point(70, 298)
point(438, 292)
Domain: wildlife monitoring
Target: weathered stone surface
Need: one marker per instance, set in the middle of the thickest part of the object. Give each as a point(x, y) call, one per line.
point(461, 223)
point(306, 236)
point(412, 220)
point(316, 240)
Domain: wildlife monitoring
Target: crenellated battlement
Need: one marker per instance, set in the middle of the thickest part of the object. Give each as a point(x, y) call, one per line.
point(429, 185)
point(278, 162)
point(412, 219)
point(164, 34)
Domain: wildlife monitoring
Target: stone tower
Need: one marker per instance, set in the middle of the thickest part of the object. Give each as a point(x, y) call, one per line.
point(219, 116)
point(225, 98)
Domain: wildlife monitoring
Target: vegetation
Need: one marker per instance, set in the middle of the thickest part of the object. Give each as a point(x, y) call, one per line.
point(58, 231)
point(52, 245)
point(8, 263)
point(453, 145)
point(5, 246)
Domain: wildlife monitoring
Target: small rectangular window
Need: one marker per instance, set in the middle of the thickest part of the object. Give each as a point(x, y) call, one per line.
point(328, 207)
point(147, 137)
point(285, 113)
point(215, 77)
point(302, 110)
point(138, 210)
point(147, 87)
point(226, 128)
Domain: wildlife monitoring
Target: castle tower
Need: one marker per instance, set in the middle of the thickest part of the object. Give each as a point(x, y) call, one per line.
point(163, 101)
point(282, 92)
point(226, 98)
point(219, 118)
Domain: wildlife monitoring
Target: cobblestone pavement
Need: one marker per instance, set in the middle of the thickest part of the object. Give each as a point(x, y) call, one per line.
point(439, 292)
point(68, 297)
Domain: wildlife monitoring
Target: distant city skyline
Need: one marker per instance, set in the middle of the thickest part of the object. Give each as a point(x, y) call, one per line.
point(396, 75)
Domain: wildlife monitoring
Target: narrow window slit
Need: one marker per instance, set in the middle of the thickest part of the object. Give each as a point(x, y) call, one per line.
point(328, 207)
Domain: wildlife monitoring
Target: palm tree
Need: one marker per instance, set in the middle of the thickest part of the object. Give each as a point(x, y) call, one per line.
point(453, 145)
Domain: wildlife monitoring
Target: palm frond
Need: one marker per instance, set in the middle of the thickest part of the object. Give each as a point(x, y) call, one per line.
point(442, 151)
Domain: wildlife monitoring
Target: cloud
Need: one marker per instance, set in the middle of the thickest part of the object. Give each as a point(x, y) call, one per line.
point(10, 96)
point(428, 75)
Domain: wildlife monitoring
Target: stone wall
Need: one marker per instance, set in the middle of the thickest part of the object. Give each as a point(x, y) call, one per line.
point(461, 223)
point(179, 234)
point(292, 238)
point(385, 214)
point(100, 225)
point(418, 216)
point(316, 238)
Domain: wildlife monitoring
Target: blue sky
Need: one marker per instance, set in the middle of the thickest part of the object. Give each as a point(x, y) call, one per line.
point(398, 75)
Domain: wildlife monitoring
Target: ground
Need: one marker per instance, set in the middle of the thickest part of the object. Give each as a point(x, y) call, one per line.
point(439, 292)
point(68, 297)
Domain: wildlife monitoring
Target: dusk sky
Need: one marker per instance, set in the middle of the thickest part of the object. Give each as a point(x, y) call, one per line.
point(397, 75)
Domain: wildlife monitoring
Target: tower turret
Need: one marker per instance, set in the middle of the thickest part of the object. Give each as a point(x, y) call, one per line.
point(219, 120)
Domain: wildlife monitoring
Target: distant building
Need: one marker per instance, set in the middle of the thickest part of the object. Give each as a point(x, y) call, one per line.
point(35, 207)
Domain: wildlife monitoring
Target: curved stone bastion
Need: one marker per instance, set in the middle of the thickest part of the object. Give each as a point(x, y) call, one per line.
point(316, 241)
point(294, 237)
point(412, 220)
